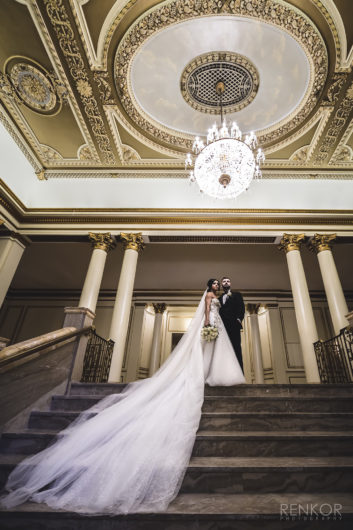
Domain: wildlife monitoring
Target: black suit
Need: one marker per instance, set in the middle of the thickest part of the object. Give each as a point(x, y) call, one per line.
point(230, 312)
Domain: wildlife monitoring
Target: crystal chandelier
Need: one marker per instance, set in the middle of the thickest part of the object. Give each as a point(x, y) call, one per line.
point(226, 165)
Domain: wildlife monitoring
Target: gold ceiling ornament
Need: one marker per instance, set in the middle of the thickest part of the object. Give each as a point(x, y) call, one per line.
point(105, 91)
point(29, 83)
point(128, 153)
point(239, 75)
point(49, 154)
point(84, 153)
point(41, 175)
point(62, 26)
point(84, 88)
point(342, 154)
point(335, 87)
point(286, 16)
point(253, 309)
point(159, 308)
point(336, 125)
point(322, 242)
point(132, 241)
point(102, 241)
point(291, 242)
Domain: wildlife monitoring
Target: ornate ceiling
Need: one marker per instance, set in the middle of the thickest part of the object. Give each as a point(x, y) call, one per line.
point(98, 88)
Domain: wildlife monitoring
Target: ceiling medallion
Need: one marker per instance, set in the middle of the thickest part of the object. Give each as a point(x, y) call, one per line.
point(33, 87)
point(227, 164)
point(199, 78)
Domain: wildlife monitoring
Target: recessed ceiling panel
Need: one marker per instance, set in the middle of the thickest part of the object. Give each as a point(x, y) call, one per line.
point(281, 63)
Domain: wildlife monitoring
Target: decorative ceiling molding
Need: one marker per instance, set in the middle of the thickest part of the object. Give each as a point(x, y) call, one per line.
point(98, 57)
point(167, 173)
point(113, 113)
point(58, 69)
point(340, 117)
point(334, 20)
point(62, 26)
point(273, 12)
point(322, 116)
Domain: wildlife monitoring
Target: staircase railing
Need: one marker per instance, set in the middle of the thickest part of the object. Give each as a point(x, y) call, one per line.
point(335, 358)
point(97, 360)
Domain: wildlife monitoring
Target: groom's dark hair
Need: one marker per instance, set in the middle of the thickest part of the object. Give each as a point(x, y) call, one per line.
point(225, 278)
point(209, 284)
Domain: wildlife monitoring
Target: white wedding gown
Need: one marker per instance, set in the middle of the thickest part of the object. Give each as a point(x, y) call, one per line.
point(129, 453)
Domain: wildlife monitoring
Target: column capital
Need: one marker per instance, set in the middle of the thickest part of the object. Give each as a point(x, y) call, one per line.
point(103, 241)
point(291, 242)
point(322, 242)
point(132, 241)
point(159, 308)
point(252, 309)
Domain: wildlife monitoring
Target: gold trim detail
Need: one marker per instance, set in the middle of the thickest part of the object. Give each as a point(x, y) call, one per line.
point(253, 309)
point(159, 308)
point(322, 242)
point(103, 241)
point(65, 34)
point(289, 18)
point(132, 241)
point(337, 123)
point(291, 242)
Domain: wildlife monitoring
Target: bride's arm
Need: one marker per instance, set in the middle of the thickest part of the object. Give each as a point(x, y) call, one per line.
point(207, 308)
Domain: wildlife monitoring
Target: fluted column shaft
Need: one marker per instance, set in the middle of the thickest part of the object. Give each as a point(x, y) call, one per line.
point(302, 304)
point(102, 243)
point(11, 250)
point(321, 243)
point(256, 342)
point(133, 243)
point(156, 339)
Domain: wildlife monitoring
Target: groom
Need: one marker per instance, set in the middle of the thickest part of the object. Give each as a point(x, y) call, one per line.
point(232, 313)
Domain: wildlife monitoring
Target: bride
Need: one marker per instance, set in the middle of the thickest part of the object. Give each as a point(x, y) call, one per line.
point(129, 453)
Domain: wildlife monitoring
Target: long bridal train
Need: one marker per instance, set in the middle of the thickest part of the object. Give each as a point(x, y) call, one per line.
point(129, 453)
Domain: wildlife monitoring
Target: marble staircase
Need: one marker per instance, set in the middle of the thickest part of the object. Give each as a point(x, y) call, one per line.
point(258, 447)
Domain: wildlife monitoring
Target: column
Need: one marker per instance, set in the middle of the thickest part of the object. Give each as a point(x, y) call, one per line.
point(12, 247)
point(321, 244)
point(253, 309)
point(277, 343)
point(290, 243)
point(102, 243)
point(156, 338)
point(133, 244)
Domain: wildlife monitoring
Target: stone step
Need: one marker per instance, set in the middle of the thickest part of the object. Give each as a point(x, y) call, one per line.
point(202, 512)
point(233, 403)
point(220, 443)
point(251, 475)
point(104, 389)
point(57, 420)
point(268, 475)
point(277, 404)
point(275, 443)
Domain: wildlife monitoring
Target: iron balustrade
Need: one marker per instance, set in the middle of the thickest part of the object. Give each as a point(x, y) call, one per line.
point(97, 360)
point(335, 358)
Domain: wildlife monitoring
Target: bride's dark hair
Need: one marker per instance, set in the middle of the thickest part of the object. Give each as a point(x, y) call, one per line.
point(209, 284)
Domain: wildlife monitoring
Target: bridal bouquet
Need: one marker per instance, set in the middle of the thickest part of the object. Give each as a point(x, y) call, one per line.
point(209, 333)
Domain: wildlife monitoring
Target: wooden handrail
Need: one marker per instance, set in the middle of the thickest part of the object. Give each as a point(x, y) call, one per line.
point(28, 347)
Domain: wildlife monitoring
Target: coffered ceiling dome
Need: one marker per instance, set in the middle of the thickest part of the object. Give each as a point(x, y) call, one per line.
point(287, 76)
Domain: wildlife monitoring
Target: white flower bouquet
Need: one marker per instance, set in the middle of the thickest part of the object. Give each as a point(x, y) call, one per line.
point(209, 333)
